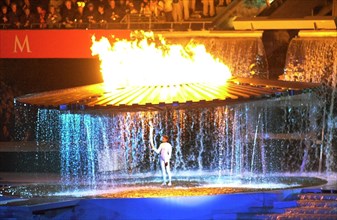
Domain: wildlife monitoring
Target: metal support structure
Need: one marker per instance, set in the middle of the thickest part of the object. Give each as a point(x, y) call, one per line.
point(236, 90)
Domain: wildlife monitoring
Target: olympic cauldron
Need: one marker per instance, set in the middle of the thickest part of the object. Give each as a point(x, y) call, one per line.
point(245, 126)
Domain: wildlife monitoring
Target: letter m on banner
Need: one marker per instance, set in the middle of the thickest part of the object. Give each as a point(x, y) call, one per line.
point(21, 46)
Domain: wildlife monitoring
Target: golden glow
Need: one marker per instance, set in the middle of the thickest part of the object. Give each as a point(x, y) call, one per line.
point(147, 61)
point(80, 4)
point(317, 33)
point(169, 192)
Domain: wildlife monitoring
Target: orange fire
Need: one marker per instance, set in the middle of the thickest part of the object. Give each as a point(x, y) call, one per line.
point(147, 61)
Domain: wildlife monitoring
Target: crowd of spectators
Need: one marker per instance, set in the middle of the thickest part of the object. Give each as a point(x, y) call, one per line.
point(77, 13)
point(7, 94)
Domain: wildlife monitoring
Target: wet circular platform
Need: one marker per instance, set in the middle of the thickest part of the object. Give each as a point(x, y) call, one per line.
point(190, 197)
point(147, 186)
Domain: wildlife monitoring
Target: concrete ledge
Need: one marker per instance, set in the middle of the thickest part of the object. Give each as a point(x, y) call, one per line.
point(266, 23)
point(318, 33)
point(222, 34)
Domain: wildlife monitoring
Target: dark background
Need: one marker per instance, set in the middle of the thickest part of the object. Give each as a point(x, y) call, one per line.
point(36, 75)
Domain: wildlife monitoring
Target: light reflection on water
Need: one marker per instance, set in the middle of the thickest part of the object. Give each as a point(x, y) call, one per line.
point(150, 186)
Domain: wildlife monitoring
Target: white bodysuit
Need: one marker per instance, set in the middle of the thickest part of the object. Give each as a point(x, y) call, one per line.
point(165, 150)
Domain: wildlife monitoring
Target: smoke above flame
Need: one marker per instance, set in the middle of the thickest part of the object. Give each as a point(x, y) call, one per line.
point(147, 61)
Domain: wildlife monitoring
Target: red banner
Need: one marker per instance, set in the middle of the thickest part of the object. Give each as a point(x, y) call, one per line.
point(52, 43)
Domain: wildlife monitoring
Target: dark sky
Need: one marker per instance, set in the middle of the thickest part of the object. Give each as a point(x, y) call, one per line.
point(35, 75)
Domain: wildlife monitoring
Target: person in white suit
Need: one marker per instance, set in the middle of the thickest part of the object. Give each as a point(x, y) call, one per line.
point(165, 151)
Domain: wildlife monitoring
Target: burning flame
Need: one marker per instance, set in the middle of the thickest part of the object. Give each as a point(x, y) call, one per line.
point(145, 61)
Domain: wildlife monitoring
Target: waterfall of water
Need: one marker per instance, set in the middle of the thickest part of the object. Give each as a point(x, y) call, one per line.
point(238, 139)
point(313, 59)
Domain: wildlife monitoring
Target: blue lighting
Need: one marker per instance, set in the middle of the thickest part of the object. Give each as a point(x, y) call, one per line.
point(230, 140)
